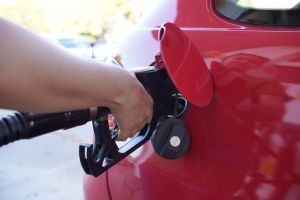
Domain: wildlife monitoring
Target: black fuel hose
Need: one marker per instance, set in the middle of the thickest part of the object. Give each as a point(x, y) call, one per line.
point(29, 125)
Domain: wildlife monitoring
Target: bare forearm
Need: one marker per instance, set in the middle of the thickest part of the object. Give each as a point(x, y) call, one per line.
point(46, 78)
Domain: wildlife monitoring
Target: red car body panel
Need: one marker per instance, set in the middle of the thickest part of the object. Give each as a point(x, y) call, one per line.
point(245, 144)
point(94, 188)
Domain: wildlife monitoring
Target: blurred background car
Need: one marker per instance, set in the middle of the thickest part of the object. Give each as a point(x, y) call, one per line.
point(82, 46)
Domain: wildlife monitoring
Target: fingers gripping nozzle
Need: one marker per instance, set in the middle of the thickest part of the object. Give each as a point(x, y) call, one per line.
point(104, 153)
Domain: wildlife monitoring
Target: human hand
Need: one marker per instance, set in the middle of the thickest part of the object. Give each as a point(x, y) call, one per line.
point(134, 110)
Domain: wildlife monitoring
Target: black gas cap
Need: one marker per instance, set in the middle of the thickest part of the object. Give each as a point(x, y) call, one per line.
point(171, 139)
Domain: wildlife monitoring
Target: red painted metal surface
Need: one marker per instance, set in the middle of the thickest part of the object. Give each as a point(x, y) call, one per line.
point(96, 188)
point(185, 65)
point(246, 142)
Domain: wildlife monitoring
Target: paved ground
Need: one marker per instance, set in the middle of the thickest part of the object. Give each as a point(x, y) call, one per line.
point(44, 168)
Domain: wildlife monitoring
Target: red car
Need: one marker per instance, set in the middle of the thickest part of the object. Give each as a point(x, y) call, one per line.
point(243, 84)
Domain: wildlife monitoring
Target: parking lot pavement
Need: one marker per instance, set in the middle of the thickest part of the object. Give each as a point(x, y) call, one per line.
point(46, 167)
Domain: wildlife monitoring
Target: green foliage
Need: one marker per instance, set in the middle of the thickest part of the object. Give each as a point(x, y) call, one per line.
point(94, 18)
point(26, 13)
point(245, 3)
